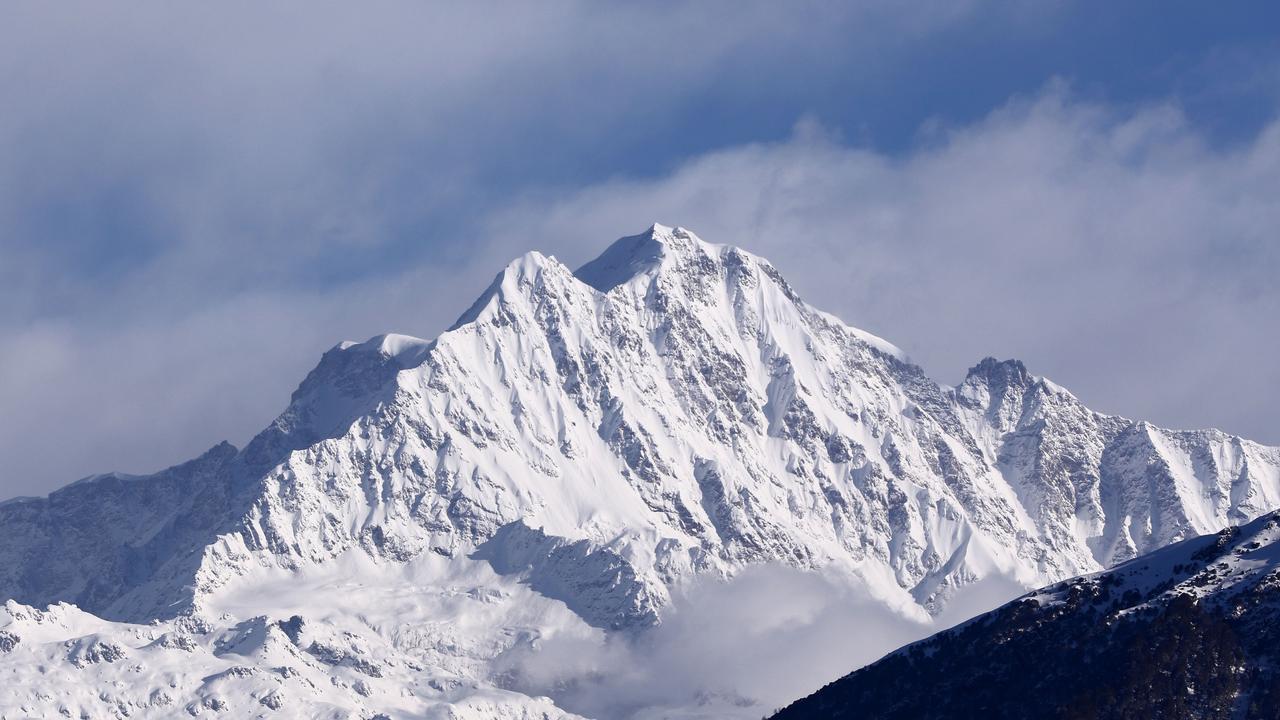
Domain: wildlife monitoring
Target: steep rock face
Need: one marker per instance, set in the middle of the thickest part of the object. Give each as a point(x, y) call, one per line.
point(119, 545)
point(1116, 487)
point(672, 409)
point(144, 547)
point(1190, 630)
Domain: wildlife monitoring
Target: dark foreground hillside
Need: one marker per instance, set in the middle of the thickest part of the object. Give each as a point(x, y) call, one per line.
point(1190, 631)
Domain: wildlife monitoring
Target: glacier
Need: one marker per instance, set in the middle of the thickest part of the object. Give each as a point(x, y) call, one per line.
point(576, 453)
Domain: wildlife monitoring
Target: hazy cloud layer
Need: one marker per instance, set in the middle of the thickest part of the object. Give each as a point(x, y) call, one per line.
point(737, 648)
point(195, 202)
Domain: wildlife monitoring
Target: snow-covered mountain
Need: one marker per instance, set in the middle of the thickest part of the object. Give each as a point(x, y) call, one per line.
point(575, 451)
point(1187, 631)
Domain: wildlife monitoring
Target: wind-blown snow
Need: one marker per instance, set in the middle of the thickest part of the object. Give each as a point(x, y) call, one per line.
point(577, 451)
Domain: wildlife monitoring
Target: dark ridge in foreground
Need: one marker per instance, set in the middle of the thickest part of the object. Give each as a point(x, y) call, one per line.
point(1189, 631)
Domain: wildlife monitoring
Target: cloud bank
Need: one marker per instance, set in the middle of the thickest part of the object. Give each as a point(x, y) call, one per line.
point(738, 648)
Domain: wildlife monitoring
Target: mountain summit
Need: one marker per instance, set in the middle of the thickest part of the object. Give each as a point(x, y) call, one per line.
point(575, 450)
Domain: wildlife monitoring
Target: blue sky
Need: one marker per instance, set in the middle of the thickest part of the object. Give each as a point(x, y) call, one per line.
point(196, 202)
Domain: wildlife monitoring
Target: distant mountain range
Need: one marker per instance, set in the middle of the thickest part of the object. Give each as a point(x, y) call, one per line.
point(578, 449)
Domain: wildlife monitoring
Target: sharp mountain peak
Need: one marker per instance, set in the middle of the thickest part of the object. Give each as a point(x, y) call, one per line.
point(588, 445)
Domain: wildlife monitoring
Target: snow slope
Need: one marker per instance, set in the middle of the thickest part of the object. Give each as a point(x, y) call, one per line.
point(592, 443)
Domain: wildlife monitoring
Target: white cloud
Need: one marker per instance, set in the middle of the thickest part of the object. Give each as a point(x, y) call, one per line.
point(737, 648)
point(758, 641)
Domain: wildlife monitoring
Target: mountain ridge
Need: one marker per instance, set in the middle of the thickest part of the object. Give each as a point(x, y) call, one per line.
point(672, 411)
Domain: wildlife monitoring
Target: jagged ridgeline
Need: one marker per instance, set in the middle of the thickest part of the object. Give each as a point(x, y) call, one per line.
point(599, 439)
